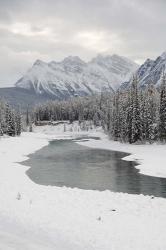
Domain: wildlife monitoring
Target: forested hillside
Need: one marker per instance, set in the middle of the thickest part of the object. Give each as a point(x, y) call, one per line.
point(131, 115)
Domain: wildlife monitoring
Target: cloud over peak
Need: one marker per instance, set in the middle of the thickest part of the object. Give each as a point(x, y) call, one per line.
point(49, 30)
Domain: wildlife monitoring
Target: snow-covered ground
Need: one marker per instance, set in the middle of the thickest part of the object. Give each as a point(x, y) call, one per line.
point(35, 217)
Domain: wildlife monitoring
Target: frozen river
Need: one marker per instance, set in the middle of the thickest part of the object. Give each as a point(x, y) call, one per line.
point(65, 163)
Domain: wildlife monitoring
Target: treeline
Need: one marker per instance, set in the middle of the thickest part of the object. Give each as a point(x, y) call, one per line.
point(10, 120)
point(78, 108)
point(130, 115)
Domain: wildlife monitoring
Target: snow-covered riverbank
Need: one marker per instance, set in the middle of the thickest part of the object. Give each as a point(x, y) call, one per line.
point(151, 158)
point(40, 217)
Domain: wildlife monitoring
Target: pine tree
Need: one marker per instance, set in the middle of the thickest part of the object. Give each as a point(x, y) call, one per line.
point(18, 123)
point(129, 112)
point(1, 131)
point(27, 117)
point(1, 121)
point(116, 121)
point(143, 115)
point(135, 115)
point(162, 111)
point(151, 110)
point(10, 122)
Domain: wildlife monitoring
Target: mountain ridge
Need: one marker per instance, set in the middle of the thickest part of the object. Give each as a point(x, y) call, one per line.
point(150, 72)
point(72, 76)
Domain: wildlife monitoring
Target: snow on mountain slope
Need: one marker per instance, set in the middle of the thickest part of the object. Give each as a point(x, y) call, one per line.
point(151, 71)
point(72, 76)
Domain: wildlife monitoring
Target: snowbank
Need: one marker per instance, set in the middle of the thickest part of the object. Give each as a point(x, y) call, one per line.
point(151, 158)
point(34, 217)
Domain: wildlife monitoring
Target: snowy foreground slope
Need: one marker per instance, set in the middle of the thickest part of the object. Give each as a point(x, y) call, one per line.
point(34, 217)
point(72, 76)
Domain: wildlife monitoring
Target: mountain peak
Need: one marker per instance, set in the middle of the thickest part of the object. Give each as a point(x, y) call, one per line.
point(39, 62)
point(151, 71)
point(73, 59)
point(111, 59)
point(73, 76)
point(163, 55)
point(148, 62)
point(100, 58)
point(116, 56)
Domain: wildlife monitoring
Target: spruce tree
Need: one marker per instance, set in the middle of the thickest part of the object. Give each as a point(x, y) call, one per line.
point(135, 112)
point(18, 123)
point(10, 122)
point(162, 111)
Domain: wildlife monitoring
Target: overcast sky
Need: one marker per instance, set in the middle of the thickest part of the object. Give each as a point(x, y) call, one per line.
point(53, 29)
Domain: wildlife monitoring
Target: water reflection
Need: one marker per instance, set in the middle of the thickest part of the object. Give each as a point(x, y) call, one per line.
point(65, 163)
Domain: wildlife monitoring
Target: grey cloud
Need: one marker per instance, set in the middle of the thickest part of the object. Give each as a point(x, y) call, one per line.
point(53, 29)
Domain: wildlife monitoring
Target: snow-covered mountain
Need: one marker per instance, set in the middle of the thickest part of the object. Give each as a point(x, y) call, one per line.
point(151, 71)
point(72, 76)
